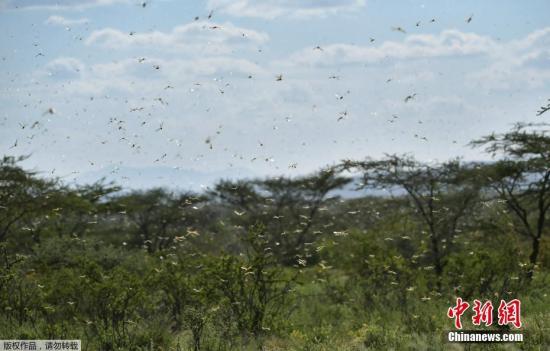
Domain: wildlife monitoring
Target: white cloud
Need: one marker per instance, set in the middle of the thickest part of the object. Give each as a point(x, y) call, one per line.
point(58, 4)
point(130, 76)
point(131, 68)
point(520, 63)
point(446, 44)
point(270, 9)
point(65, 22)
point(64, 68)
point(539, 38)
point(201, 36)
point(501, 65)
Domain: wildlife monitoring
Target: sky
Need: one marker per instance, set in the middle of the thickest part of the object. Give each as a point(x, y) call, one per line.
point(181, 93)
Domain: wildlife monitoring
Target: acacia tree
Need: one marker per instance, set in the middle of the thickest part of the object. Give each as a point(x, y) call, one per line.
point(521, 178)
point(441, 194)
point(156, 216)
point(288, 208)
point(544, 109)
point(23, 195)
point(80, 208)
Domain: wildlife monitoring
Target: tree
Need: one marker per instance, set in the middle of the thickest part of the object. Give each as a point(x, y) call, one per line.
point(442, 195)
point(521, 178)
point(288, 208)
point(253, 288)
point(156, 216)
point(22, 195)
point(544, 109)
point(186, 293)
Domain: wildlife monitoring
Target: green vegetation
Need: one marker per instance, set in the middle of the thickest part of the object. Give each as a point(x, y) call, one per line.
point(282, 264)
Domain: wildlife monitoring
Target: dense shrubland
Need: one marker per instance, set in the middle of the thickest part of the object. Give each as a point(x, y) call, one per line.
point(280, 263)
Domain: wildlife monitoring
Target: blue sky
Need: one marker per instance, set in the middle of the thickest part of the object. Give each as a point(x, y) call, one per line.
point(145, 94)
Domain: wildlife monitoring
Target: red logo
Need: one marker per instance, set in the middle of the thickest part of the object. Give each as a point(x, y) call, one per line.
point(508, 312)
point(457, 311)
point(483, 313)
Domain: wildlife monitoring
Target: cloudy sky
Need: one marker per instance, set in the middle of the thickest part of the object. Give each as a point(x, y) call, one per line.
point(178, 93)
